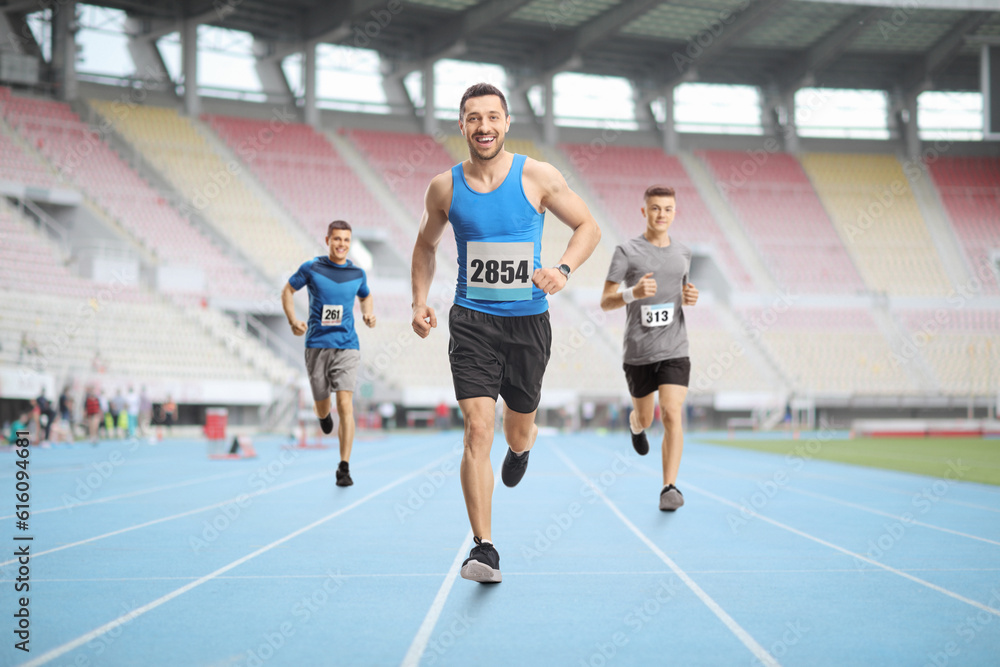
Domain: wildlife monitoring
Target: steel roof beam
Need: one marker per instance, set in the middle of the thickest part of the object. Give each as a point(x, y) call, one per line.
point(598, 28)
point(831, 46)
point(469, 22)
point(696, 55)
point(920, 77)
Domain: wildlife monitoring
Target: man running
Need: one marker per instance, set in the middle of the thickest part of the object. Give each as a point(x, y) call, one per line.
point(500, 334)
point(332, 350)
point(656, 345)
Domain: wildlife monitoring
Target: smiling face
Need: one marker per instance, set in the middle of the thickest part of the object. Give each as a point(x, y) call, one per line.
point(484, 126)
point(339, 242)
point(659, 211)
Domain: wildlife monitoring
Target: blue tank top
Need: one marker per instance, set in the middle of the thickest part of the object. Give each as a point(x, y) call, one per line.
point(499, 238)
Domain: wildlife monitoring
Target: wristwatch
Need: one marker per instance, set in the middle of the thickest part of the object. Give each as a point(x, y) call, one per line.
point(564, 268)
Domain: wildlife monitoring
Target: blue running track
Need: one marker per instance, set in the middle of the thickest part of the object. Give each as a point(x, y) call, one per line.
point(152, 554)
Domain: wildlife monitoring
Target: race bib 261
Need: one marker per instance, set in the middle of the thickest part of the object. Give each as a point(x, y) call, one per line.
point(332, 316)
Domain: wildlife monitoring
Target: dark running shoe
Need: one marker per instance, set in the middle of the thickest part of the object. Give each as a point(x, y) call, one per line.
point(344, 475)
point(670, 498)
point(326, 423)
point(640, 443)
point(483, 564)
point(513, 467)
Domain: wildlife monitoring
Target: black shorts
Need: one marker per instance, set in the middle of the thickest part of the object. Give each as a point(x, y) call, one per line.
point(494, 355)
point(643, 380)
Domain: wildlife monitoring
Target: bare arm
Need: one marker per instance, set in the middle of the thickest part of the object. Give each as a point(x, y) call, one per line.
point(612, 298)
point(288, 303)
point(558, 197)
point(422, 266)
point(367, 310)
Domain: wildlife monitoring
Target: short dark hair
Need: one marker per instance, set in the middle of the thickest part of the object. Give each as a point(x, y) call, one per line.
point(659, 191)
point(482, 90)
point(338, 224)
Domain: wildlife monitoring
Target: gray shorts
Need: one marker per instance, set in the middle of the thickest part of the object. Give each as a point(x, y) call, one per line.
point(331, 370)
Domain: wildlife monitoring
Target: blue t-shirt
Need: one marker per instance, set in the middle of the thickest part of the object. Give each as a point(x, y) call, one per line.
point(332, 288)
point(499, 239)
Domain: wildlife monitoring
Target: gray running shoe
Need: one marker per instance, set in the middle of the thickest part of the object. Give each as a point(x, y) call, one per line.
point(670, 498)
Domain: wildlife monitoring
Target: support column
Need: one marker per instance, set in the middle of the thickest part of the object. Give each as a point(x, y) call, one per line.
point(911, 129)
point(427, 82)
point(64, 49)
point(789, 130)
point(149, 66)
point(550, 133)
point(189, 66)
point(310, 113)
point(644, 117)
point(668, 130)
point(777, 117)
point(396, 94)
point(272, 77)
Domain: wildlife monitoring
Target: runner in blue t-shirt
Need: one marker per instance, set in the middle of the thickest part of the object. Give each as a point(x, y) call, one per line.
point(332, 350)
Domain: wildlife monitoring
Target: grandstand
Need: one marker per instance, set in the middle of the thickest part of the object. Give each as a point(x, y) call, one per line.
point(821, 259)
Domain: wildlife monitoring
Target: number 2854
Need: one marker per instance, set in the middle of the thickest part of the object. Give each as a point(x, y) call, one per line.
point(503, 271)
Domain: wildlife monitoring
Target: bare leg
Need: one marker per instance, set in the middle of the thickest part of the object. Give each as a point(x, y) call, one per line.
point(476, 470)
point(345, 411)
point(519, 429)
point(642, 416)
point(671, 412)
point(323, 407)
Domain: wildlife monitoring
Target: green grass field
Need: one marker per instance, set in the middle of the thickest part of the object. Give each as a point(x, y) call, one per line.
point(975, 459)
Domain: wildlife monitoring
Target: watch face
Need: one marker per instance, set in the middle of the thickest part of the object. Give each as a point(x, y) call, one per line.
point(565, 269)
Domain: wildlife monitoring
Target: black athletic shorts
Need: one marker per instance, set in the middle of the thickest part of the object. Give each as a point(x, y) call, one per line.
point(643, 380)
point(494, 355)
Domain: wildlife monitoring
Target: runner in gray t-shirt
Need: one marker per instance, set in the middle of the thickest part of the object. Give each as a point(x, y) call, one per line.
point(655, 272)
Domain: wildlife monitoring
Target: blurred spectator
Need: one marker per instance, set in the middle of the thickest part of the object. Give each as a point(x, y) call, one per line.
point(387, 411)
point(118, 415)
point(132, 405)
point(21, 423)
point(145, 412)
point(442, 414)
point(92, 411)
point(106, 415)
point(169, 412)
point(46, 416)
point(66, 409)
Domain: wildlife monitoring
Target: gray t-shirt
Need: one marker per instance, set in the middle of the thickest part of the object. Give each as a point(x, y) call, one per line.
point(654, 326)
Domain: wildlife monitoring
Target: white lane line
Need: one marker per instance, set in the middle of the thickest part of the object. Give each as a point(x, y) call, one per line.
point(861, 557)
point(153, 522)
point(423, 636)
point(52, 654)
point(869, 485)
point(887, 568)
point(206, 508)
point(85, 467)
point(858, 506)
point(165, 487)
point(758, 651)
point(909, 520)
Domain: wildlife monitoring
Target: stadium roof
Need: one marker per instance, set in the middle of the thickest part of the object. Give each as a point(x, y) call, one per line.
point(903, 45)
